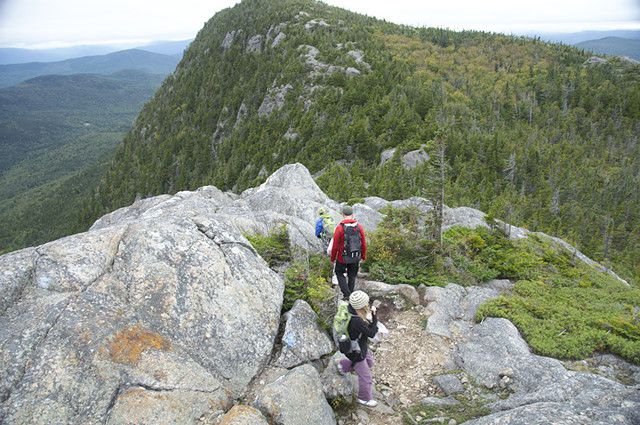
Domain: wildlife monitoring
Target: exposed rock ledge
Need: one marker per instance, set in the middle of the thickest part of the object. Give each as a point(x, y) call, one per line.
point(163, 312)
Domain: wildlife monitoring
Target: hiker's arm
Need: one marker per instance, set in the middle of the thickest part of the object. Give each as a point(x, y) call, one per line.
point(364, 243)
point(336, 243)
point(370, 329)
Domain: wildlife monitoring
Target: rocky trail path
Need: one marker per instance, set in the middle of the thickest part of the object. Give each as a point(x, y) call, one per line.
point(404, 362)
point(438, 366)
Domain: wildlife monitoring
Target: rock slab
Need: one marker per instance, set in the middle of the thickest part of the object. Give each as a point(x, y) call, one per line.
point(303, 339)
point(296, 399)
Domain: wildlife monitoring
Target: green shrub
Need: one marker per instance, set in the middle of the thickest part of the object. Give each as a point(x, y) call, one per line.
point(563, 307)
point(570, 310)
point(398, 251)
point(274, 248)
point(309, 281)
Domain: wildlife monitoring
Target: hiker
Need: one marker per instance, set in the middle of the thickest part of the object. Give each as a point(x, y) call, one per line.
point(324, 227)
point(362, 326)
point(348, 249)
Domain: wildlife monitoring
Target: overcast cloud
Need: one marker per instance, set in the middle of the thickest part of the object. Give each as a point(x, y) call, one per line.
point(56, 23)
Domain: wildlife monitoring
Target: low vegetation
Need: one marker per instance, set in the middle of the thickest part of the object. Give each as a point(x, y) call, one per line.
point(465, 411)
point(308, 280)
point(563, 307)
point(274, 247)
point(307, 277)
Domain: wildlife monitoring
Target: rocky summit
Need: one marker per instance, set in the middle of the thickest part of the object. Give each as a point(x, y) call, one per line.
point(163, 312)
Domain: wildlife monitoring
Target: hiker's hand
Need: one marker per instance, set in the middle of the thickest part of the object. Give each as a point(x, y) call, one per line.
point(374, 309)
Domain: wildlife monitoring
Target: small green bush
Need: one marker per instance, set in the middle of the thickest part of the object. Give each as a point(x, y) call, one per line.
point(274, 248)
point(398, 251)
point(309, 281)
point(466, 410)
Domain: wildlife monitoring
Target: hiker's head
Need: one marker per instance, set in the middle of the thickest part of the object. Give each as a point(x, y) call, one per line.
point(321, 211)
point(347, 211)
point(359, 300)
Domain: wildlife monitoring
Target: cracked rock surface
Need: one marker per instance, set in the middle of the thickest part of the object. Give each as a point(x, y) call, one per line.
point(151, 313)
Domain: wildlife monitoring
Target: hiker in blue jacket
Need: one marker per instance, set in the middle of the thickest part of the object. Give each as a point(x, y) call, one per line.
point(324, 227)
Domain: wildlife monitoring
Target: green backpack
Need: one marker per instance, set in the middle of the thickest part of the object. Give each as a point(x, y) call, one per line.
point(341, 320)
point(349, 348)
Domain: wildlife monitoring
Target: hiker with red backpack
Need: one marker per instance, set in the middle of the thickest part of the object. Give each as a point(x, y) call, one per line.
point(354, 330)
point(348, 249)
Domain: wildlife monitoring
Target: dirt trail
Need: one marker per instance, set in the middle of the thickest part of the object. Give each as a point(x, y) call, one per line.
point(404, 362)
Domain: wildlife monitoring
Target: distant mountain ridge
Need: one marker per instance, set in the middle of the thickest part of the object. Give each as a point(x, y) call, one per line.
point(581, 36)
point(135, 59)
point(614, 46)
point(12, 55)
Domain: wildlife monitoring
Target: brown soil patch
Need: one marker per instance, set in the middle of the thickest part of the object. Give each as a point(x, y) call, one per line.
point(131, 342)
point(405, 361)
point(409, 356)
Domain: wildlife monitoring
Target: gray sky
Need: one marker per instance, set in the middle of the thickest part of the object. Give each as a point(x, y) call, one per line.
point(58, 23)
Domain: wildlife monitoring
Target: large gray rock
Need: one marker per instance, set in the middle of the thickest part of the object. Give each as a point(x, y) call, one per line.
point(412, 159)
point(475, 296)
point(254, 45)
point(618, 407)
point(129, 213)
point(274, 99)
point(495, 346)
point(401, 296)
point(443, 304)
point(334, 384)
point(292, 191)
point(367, 216)
point(296, 399)
point(463, 217)
point(303, 339)
point(95, 304)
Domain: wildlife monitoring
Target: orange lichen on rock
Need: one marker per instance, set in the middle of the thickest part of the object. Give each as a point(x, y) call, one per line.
point(129, 344)
point(238, 412)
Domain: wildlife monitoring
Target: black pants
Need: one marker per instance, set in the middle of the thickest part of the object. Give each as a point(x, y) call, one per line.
point(346, 284)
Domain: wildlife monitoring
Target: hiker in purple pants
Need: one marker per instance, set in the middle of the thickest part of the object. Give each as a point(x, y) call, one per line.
point(365, 378)
point(362, 326)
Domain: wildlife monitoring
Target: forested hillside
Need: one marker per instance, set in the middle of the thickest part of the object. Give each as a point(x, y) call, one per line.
point(57, 133)
point(533, 133)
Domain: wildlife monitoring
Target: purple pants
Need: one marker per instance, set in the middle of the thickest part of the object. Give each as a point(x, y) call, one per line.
point(365, 378)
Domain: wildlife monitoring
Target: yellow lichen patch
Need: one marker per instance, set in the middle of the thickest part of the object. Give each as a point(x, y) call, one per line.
point(239, 411)
point(131, 342)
